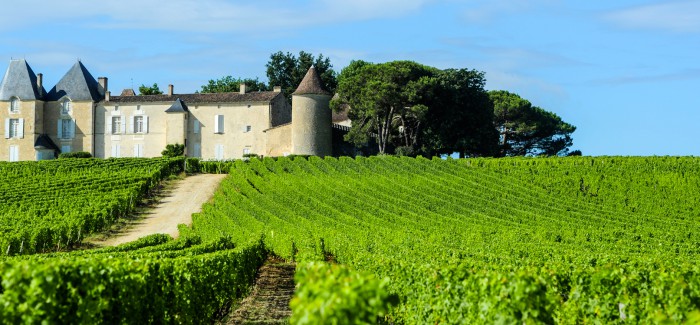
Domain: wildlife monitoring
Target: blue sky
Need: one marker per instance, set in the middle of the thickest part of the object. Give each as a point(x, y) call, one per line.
point(626, 73)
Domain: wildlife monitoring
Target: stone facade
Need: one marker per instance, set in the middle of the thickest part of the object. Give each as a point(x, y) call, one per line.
point(79, 114)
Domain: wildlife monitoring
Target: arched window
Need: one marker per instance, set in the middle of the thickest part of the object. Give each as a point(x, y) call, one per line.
point(14, 105)
point(65, 106)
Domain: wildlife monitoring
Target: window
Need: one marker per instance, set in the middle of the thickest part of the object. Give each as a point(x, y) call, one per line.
point(246, 151)
point(14, 153)
point(219, 152)
point(219, 124)
point(14, 128)
point(65, 148)
point(116, 108)
point(197, 150)
point(14, 105)
point(66, 128)
point(138, 124)
point(196, 127)
point(248, 128)
point(116, 124)
point(65, 107)
point(138, 150)
point(116, 151)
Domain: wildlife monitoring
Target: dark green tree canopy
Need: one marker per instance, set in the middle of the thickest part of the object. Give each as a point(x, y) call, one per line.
point(525, 129)
point(287, 70)
point(231, 84)
point(417, 109)
point(152, 90)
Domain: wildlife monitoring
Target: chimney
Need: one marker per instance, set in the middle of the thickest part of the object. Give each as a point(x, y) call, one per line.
point(170, 90)
point(103, 82)
point(40, 80)
point(107, 95)
point(242, 88)
point(278, 89)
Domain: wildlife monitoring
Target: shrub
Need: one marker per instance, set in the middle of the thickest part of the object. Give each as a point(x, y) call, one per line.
point(173, 150)
point(78, 154)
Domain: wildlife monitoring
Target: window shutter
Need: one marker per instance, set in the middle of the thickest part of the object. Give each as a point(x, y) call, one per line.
point(131, 124)
point(216, 124)
point(7, 128)
point(71, 128)
point(123, 124)
point(145, 124)
point(197, 150)
point(59, 129)
point(108, 129)
point(196, 127)
point(21, 128)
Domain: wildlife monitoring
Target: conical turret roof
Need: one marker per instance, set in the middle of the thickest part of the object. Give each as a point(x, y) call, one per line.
point(78, 84)
point(311, 84)
point(177, 107)
point(20, 81)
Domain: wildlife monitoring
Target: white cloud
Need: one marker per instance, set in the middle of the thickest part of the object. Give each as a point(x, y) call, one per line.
point(679, 16)
point(485, 11)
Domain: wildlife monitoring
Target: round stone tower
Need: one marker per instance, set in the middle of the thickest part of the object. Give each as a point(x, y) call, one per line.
point(311, 117)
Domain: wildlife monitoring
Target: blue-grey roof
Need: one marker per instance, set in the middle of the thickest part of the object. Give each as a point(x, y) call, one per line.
point(44, 142)
point(20, 81)
point(177, 107)
point(78, 84)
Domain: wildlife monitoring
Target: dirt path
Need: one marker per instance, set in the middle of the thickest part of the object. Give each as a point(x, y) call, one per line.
point(268, 302)
point(183, 198)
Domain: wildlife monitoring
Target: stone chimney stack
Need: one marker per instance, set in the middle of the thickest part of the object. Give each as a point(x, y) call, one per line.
point(39, 80)
point(103, 82)
point(170, 90)
point(278, 89)
point(107, 95)
point(243, 90)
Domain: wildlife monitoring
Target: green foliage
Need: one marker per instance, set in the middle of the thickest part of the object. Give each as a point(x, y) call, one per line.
point(478, 241)
point(152, 90)
point(173, 150)
point(231, 84)
point(154, 284)
point(287, 70)
point(77, 154)
point(528, 130)
point(51, 205)
point(334, 294)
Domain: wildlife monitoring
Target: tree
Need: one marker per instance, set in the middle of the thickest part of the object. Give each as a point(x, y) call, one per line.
point(461, 116)
point(231, 84)
point(387, 100)
point(287, 71)
point(152, 90)
point(525, 129)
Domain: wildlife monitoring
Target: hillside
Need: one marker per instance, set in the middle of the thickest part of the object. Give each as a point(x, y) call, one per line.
point(546, 240)
point(526, 240)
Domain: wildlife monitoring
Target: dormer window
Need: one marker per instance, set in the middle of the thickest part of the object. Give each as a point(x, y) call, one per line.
point(14, 105)
point(65, 107)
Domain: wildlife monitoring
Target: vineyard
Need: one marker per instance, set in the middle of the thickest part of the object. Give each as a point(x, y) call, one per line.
point(48, 204)
point(525, 240)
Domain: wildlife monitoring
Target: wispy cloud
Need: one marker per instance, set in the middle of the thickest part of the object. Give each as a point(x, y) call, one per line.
point(482, 11)
point(678, 16)
point(203, 15)
point(686, 74)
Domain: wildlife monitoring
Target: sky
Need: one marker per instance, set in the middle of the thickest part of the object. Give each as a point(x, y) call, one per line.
point(625, 73)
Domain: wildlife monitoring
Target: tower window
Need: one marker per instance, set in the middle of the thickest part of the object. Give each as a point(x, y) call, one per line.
point(65, 107)
point(14, 105)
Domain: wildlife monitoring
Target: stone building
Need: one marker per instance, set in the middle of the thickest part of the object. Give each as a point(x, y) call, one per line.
point(80, 114)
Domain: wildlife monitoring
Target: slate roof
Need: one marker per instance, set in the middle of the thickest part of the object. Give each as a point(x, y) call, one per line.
point(177, 107)
point(78, 84)
point(20, 81)
point(262, 96)
point(311, 84)
point(44, 142)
